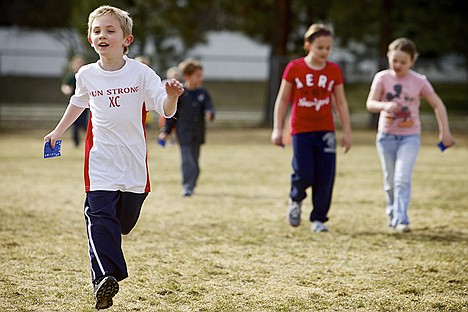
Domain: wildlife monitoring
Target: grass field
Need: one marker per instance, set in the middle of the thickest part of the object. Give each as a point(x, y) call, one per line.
point(229, 248)
point(227, 95)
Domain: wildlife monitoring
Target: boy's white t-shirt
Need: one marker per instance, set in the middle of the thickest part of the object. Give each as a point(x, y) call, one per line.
point(115, 152)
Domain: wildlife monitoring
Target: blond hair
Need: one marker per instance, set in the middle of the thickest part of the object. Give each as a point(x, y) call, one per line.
point(189, 66)
point(125, 21)
point(173, 72)
point(405, 45)
point(145, 59)
point(317, 30)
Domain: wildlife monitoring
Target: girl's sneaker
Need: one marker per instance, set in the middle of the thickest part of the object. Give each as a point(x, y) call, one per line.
point(294, 214)
point(402, 228)
point(318, 226)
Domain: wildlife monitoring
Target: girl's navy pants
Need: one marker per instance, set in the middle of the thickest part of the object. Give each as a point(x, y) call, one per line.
point(314, 162)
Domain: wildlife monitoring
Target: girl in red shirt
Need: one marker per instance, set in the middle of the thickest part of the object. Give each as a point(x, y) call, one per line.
point(312, 82)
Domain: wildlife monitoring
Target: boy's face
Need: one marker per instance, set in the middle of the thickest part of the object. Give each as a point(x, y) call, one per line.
point(195, 79)
point(107, 37)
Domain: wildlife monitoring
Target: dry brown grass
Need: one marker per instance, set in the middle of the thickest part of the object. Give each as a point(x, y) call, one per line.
point(228, 248)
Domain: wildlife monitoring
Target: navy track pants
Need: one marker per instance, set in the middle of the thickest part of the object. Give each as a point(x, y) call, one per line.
point(109, 214)
point(314, 163)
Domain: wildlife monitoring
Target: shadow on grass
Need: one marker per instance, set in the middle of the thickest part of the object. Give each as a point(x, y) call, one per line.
point(435, 234)
point(426, 234)
point(236, 195)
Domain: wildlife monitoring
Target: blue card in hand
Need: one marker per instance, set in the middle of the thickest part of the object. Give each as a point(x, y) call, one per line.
point(441, 146)
point(50, 152)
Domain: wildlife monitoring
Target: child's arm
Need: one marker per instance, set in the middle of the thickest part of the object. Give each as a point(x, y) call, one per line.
point(68, 118)
point(343, 115)
point(442, 119)
point(281, 105)
point(174, 89)
point(167, 128)
point(208, 108)
point(374, 105)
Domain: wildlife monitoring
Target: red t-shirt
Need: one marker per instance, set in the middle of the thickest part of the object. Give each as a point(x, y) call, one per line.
point(311, 95)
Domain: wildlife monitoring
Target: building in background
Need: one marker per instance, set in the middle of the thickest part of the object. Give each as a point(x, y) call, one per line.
point(225, 56)
point(39, 53)
point(232, 56)
point(31, 52)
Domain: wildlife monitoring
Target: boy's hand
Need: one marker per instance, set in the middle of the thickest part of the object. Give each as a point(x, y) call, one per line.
point(174, 88)
point(162, 136)
point(52, 138)
point(209, 115)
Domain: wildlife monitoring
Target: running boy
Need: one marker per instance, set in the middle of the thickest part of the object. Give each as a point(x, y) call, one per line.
point(193, 108)
point(395, 93)
point(310, 83)
point(119, 91)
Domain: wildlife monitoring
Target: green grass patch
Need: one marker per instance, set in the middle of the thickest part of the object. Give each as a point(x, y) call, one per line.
point(229, 248)
point(227, 95)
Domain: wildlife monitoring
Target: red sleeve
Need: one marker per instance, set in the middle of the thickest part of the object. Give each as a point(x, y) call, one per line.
point(339, 75)
point(288, 73)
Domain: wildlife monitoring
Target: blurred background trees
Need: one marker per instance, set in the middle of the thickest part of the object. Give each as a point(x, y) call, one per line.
point(438, 27)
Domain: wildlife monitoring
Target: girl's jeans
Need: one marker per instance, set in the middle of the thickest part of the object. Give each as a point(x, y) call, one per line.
point(398, 155)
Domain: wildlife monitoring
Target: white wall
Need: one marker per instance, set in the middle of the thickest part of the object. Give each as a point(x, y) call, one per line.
point(232, 56)
point(26, 52)
point(225, 56)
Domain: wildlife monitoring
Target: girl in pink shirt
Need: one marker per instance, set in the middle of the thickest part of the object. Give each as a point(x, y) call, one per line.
point(395, 93)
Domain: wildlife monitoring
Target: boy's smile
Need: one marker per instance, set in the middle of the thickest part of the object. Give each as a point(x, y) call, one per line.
point(107, 37)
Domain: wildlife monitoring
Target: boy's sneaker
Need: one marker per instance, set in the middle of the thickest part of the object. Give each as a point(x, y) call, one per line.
point(294, 215)
point(104, 290)
point(318, 226)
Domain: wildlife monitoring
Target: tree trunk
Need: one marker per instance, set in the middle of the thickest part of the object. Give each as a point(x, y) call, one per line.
point(385, 37)
point(278, 56)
